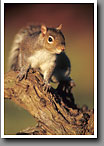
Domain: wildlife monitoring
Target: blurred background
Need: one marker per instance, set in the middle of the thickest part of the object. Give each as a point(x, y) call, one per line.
point(78, 29)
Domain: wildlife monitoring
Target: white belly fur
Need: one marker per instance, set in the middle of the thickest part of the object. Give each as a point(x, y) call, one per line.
point(42, 59)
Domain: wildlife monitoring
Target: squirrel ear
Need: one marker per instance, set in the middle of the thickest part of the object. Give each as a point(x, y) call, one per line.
point(59, 27)
point(43, 29)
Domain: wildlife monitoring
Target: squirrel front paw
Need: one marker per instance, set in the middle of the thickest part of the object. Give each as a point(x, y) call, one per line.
point(21, 75)
point(46, 86)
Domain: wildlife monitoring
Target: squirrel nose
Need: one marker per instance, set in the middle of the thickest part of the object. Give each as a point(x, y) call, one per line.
point(63, 48)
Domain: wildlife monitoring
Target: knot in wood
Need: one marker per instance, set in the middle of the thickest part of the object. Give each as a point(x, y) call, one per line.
point(43, 102)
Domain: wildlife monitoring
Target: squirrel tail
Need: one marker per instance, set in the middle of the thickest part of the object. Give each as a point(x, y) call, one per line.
point(14, 53)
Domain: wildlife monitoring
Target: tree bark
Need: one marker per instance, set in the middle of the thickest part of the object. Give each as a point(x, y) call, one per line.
point(54, 109)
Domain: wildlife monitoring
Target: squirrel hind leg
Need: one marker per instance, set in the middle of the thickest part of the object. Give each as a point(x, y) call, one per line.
point(72, 83)
point(66, 85)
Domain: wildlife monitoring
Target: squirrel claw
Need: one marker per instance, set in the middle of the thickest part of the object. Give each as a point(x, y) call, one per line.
point(46, 87)
point(22, 75)
point(72, 84)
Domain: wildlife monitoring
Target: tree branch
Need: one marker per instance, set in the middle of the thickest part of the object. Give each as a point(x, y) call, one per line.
point(54, 110)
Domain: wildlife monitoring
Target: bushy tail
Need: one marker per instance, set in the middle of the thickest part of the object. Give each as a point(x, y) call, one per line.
point(14, 53)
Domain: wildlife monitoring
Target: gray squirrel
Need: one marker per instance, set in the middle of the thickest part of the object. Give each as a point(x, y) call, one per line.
point(41, 47)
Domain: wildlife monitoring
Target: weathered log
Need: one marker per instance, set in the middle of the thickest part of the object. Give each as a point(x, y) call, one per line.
point(54, 109)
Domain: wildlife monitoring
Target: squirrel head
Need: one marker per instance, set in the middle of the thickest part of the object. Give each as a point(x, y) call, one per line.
point(52, 39)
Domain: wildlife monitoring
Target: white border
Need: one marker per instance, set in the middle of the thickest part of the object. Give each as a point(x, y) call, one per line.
point(95, 69)
point(51, 1)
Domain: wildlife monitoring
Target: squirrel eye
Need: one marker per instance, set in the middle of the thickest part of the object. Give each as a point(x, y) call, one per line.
point(50, 39)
